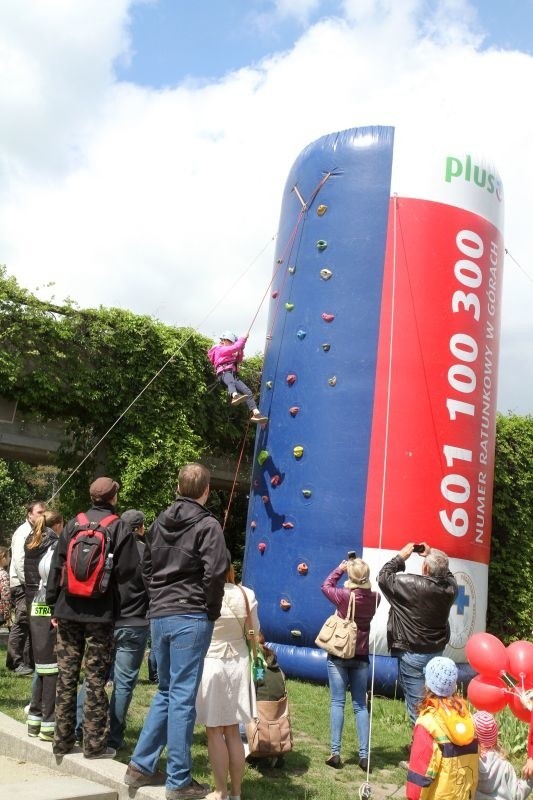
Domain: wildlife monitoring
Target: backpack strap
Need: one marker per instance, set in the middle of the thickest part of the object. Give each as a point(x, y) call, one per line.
point(107, 520)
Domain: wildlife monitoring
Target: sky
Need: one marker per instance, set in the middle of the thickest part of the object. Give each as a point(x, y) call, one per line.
point(145, 144)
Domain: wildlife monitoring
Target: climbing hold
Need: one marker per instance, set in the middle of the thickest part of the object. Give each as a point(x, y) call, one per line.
point(303, 569)
point(262, 457)
point(287, 525)
point(301, 334)
point(261, 547)
point(289, 306)
point(253, 524)
point(325, 347)
point(275, 480)
point(274, 294)
point(279, 261)
point(321, 244)
point(307, 492)
point(291, 378)
point(328, 317)
point(321, 210)
point(256, 483)
point(332, 381)
point(293, 410)
point(296, 632)
point(325, 274)
point(285, 604)
point(265, 498)
point(292, 269)
point(298, 451)
point(268, 384)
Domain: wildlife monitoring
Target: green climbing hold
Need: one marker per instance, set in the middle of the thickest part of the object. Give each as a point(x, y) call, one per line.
point(307, 492)
point(269, 384)
point(262, 457)
point(321, 244)
point(298, 451)
point(289, 306)
point(292, 269)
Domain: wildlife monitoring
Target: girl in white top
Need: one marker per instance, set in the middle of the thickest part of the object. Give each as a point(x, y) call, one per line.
point(226, 696)
point(497, 778)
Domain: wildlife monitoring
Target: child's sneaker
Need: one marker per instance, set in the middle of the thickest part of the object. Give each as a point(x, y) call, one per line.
point(237, 399)
point(258, 417)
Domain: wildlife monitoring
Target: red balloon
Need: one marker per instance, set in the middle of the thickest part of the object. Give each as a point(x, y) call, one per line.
point(516, 706)
point(487, 654)
point(520, 658)
point(487, 693)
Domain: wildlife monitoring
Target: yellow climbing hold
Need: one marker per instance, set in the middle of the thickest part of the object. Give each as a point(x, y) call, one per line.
point(321, 210)
point(289, 306)
point(298, 451)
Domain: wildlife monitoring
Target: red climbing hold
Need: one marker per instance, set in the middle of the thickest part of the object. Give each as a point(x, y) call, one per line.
point(293, 410)
point(303, 569)
point(261, 547)
point(274, 294)
point(285, 604)
point(291, 378)
point(275, 480)
point(287, 525)
point(328, 317)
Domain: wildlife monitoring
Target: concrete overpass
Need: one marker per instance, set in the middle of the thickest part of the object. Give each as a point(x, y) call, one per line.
point(34, 442)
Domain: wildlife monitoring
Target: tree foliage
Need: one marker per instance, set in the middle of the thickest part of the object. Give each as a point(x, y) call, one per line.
point(510, 611)
point(140, 396)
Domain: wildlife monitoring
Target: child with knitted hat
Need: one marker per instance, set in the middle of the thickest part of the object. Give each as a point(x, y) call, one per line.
point(444, 752)
point(497, 778)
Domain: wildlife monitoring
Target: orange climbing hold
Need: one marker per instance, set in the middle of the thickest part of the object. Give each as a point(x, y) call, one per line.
point(287, 525)
point(303, 569)
point(328, 317)
point(261, 547)
point(285, 604)
point(293, 410)
point(275, 480)
point(291, 378)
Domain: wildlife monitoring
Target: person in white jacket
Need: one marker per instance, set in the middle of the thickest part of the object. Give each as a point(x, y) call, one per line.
point(497, 778)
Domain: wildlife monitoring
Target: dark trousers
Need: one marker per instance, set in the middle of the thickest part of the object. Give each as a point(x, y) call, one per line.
point(74, 640)
point(19, 641)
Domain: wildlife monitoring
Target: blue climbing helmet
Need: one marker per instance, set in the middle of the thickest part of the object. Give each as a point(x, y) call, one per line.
point(229, 336)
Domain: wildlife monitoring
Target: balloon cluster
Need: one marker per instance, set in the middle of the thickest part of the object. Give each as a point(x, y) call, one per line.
point(505, 675)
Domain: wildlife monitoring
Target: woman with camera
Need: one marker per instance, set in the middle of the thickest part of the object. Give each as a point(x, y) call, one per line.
point(351, 672)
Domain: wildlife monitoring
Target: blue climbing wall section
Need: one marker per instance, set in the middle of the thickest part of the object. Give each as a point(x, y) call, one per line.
point(311, 461)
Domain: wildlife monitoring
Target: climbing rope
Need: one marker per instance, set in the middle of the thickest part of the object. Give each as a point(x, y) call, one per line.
point(167, 362)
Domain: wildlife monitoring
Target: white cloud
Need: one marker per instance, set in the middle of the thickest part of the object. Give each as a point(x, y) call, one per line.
point(159, 200)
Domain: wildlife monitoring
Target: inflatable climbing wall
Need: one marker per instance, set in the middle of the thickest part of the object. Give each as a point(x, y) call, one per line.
point(379, 381)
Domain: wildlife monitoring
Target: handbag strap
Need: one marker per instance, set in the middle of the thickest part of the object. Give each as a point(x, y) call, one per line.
point(350, 613)
point(250, 632)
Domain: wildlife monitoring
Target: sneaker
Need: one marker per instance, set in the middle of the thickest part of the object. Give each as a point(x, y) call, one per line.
point(107, 752)
point(193, 791)
point(237, 399)
point(259, 418)
point(22, 669)
point(135, 778)
point(46, 736)
point(334, 761)
point(27, 709)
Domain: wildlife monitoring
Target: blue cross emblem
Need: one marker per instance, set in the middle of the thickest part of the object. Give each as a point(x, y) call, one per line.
point(462, 600)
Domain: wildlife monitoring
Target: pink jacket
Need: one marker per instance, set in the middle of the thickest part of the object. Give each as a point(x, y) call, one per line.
point(226, 356)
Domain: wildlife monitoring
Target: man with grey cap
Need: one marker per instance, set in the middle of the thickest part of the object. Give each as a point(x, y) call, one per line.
point(85, 627)
point(418, 627)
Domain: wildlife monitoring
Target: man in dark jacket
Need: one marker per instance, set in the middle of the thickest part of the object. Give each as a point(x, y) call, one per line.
point(418, 627)
point(85, 627)
point(184, 565)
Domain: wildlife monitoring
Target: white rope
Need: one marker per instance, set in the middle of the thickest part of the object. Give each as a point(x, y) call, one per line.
point(385, 453)
point(167, 362)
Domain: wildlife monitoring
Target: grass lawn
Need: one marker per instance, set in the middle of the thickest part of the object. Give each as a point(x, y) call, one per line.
point(304, 775)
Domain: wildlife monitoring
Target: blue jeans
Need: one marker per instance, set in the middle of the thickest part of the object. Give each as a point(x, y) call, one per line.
point(412, 680)
point(130, 644)
point(180, 643)
point(341, 674)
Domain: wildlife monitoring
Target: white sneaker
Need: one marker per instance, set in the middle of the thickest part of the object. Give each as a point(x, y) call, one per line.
point(259, 418)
